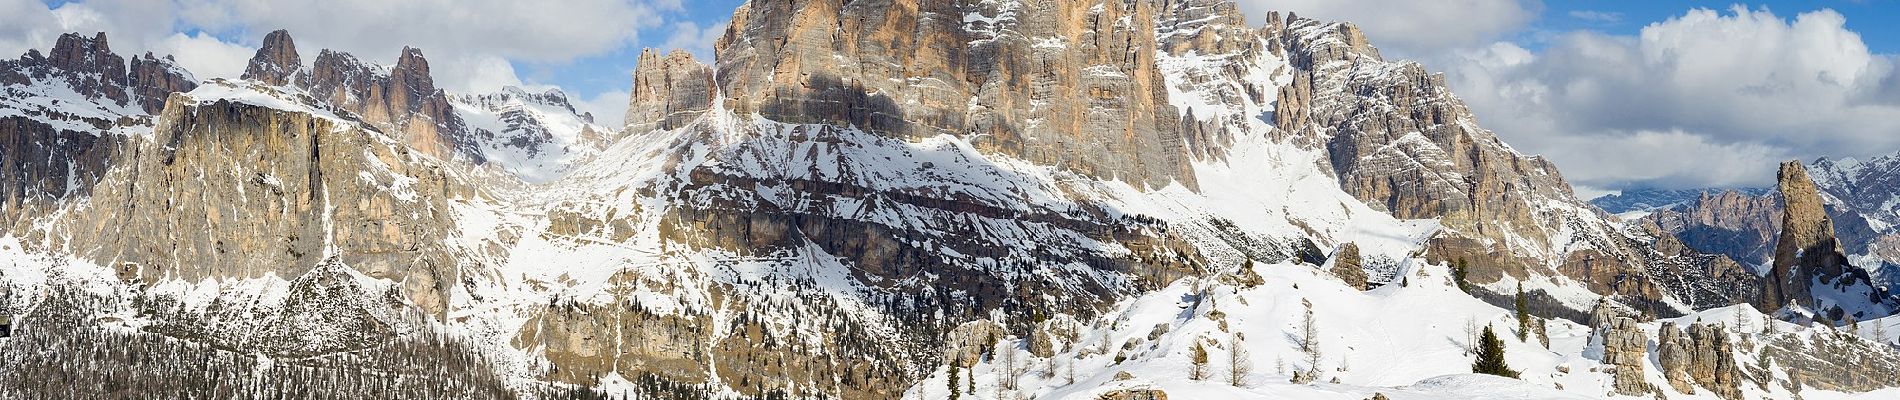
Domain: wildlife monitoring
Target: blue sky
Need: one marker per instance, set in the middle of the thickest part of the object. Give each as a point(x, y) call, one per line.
point(1621, 94)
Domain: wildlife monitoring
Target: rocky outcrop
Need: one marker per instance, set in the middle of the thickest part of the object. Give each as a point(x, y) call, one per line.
point(402, 102)
point(1625, 349)
point(668, 91)
point(1703, 357)
point(154, 79)
point(1399, 140)
point(1348, 267)
point(1071, 83)
point(1864, 198)
point(1831, 360)
point(276, 61)
point(405, 102)
point(1806, 251)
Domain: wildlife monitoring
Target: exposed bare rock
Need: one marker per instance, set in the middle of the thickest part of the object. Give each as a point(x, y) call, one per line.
point(1624, 354)
point(1347, 266)
point(1830, 360)
point(403, 103)
point(1134, 394)
point(969, 341)
point(1730, 222)
point(668, 91)
point(1069, 82)
point(276, 61)
point(1806, 251)
point(154, 79)
point(272, 191)
point(1675, 355)
point(40, 164)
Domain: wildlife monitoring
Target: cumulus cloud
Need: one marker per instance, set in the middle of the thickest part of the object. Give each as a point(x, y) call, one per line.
point(609, 108)
point(206, 56)
point(689, 36)
point(1703, 99)
point(1413, 28)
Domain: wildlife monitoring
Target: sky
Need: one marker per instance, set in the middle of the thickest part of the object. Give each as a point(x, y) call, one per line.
point(1620, 94)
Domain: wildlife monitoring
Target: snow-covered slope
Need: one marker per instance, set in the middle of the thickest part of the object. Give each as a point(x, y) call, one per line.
point(1409, 341)
point(537, 136)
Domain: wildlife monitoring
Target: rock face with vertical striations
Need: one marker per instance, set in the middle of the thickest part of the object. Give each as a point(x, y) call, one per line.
point(668, 91)
point(274, 190)
point(1809, 258)
point(403, 102)
point(1348, 267)
point(1625, 349)
point(1700, 356)
point(1071, 83)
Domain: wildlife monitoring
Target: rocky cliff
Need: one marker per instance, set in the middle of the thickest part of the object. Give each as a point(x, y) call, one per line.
point(277, 183)
point(1810, 269)
point(1071, 83)
point(401, 101)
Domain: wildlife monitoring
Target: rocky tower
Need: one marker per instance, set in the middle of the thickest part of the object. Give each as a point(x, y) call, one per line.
point(276, 62)
point(1806, 248)
point(668, 91)
point(1071, 83)
point(404, 102)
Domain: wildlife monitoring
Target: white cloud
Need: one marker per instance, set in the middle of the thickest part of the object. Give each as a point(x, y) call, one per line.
point(1703, 99)
point(688, 35)
point(1412, 28)
point(470, 43)
point(25, 24)
point(609, 108)
point(206, 56)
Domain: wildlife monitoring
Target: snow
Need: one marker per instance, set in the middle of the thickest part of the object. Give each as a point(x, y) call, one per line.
point(259, 94)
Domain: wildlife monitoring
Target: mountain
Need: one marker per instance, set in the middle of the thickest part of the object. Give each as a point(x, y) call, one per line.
point(860, 200)
point(1639, 200)
point(1861, 198)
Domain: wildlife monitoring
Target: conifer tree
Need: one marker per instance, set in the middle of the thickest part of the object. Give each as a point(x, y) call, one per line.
point(1523, 315)
point(1491, 356)
point(954, 393)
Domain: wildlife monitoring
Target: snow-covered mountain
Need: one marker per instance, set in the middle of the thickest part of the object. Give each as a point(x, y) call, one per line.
point(858, 200)
point(536, 136)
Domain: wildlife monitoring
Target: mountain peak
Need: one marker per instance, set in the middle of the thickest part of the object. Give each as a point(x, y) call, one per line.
point(668, 91)
point(276, 61)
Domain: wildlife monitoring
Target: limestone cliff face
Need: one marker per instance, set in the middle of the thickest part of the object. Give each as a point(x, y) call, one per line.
point(668, 91)
point(1806, 251)
point(1731, 223)
point(229, 189)
point(1703, 356)
point(1069, 82)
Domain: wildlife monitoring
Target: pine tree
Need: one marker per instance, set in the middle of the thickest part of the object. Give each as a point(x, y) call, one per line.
point(1198, 359)
point(1523, 315)
point(954, 393)
point(1491, 356)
